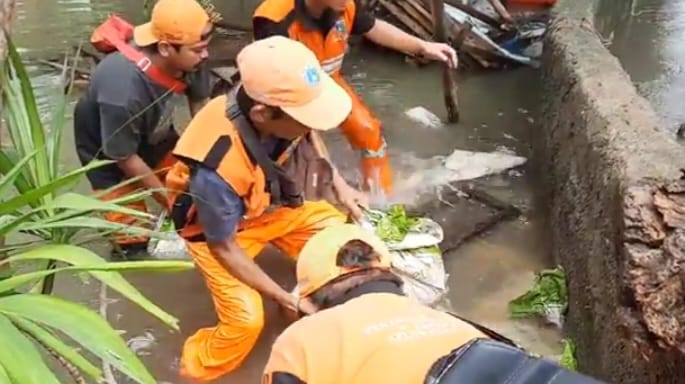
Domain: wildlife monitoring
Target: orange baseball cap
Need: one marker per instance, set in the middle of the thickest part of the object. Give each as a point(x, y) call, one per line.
point(173, 21)
point(317, 262)
point(284, 73)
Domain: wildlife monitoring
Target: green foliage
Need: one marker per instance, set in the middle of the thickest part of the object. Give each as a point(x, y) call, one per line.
point(35, 202)
point(568, 356)
point(548, 290)
point(393, 224)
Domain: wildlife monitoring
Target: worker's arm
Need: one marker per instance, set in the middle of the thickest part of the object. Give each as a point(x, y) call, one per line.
point(219, 210)
point(387, 35)
point(350, 197)
point(198, 90)
point(120, 135)
point(238, 264)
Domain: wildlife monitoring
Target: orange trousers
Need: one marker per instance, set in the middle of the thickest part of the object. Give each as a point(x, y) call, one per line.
point(364, 132)
point(140, 205)
point(215, 351)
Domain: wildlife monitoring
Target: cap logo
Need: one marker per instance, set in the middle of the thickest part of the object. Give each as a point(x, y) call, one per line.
point(340, 27)
point(311, 76)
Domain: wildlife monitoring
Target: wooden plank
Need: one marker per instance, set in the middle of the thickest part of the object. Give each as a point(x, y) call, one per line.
point(404, 19)
point(422, 11)
point(427, 24)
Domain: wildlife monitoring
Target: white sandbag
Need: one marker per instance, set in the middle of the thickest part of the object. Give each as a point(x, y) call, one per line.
point(168, 245)
point(472, 165)
point(424, 117)
point(417, 259)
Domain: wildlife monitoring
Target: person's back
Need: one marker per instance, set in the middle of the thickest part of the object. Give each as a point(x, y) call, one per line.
point(370, 339)
point(117, 88)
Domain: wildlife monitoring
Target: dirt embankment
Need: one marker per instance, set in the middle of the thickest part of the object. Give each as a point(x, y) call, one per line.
point(617, 208)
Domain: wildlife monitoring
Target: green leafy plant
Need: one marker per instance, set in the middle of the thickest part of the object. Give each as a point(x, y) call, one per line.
point(568, 356)
point(44, 224)
point(392, 225)
point(548, 291)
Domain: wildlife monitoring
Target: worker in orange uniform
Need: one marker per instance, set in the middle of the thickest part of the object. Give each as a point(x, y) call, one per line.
point(325, 26)
point(238, 199)
point(365, 331)
point(126, 114)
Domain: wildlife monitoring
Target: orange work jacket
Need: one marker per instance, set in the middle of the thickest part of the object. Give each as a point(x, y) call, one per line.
point(329, 49)
point(374, 338)
point(212, 139)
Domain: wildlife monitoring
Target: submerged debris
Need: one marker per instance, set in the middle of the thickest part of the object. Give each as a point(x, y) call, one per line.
point(483, 41)
point(548, 298)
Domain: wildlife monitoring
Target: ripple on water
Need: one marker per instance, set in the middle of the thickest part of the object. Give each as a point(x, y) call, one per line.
point(649, 40)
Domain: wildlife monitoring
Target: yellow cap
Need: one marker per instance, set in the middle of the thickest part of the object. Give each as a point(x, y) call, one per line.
point(284, 73)
point(173, 21)
point(317, 263)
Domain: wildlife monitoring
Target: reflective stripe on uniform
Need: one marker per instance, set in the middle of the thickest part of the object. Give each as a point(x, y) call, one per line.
point(332, 65)
point(377, 154)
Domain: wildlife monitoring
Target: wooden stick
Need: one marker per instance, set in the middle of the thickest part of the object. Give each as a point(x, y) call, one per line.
point(81, 72)
point(319, 145)
point(448, 83)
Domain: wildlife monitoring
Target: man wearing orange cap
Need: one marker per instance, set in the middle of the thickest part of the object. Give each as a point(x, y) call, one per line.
point(233, 196)
point(126, 114)
point(325, 26)
point(366, 331)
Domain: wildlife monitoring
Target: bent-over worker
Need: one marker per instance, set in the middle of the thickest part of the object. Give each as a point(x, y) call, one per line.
point(126, 114)
point(238, 197)
point(325, 26)
point(365, 331)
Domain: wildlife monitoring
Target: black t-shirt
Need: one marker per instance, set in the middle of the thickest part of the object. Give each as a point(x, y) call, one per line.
point(124, 112)
point(262, 28)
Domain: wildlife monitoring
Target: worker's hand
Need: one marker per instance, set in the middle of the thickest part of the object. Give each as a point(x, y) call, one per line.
point(352, 199)
point(439, 52)
point(294, 308)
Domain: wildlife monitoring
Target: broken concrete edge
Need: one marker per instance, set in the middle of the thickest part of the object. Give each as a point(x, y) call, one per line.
point(607, 165)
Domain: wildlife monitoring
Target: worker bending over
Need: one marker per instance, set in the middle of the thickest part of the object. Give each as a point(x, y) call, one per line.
point(126, 114)
point(239, 198)
point(325, 26)
point(365, 331)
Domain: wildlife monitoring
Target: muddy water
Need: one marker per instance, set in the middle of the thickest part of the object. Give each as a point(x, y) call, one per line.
point(498, 112)
point(648, 37)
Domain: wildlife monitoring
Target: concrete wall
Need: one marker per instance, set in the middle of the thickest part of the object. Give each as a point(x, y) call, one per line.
point(605, 161)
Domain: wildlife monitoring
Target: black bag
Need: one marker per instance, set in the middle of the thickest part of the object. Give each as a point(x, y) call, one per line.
point(485, 361)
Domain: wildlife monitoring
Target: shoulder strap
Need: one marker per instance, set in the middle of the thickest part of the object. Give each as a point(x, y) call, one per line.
point(152, 71)
point(255, 150)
